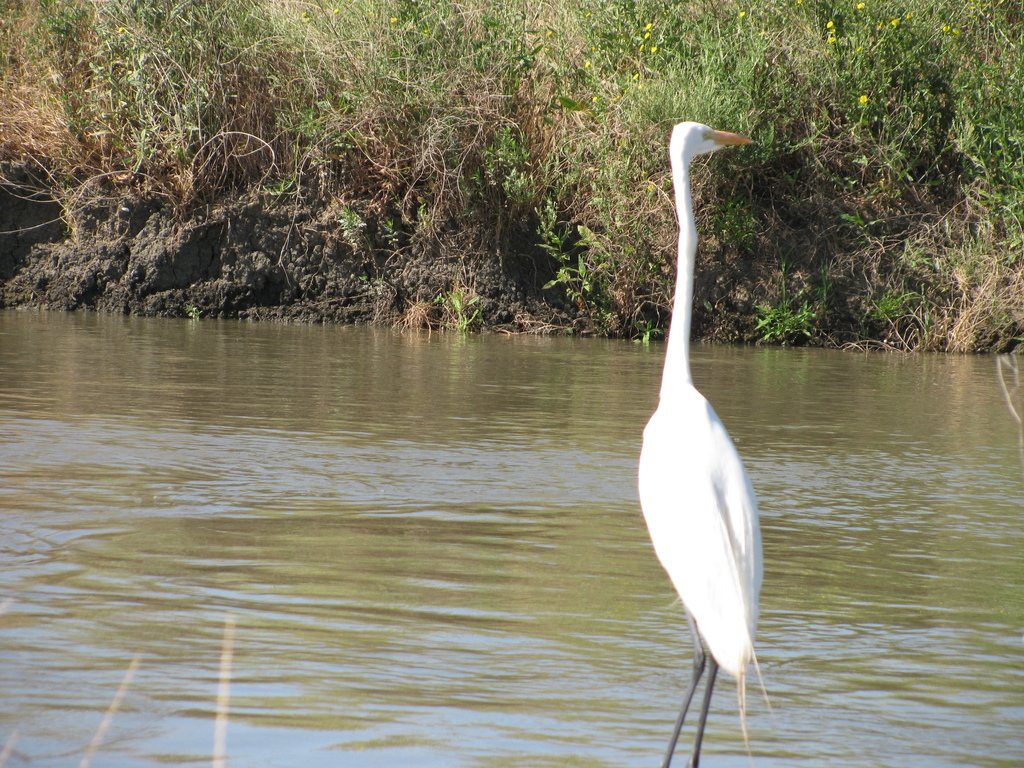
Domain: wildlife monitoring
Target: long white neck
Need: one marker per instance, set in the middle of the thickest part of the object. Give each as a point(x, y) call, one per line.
point(677, 355)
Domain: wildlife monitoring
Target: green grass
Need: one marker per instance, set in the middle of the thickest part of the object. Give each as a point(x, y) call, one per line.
point(889, 163)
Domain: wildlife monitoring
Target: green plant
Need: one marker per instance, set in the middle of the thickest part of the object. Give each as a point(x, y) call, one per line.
point(506, 167)
point(893, 305)
point(352, 226)
point(646, 331)
point(576, 277)
point(785, 322)
point(735, 220)
point(790, 319)
point(193, 312)
point(583, 283)
point(460, 308)
point(554, 239)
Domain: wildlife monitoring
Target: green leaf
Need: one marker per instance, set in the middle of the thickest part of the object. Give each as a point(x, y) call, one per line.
point(571, 104)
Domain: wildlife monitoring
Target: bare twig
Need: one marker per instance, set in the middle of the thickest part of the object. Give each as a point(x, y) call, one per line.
point(111, 711)
point(220, 728)
point(8, 749)
point(1005, 362)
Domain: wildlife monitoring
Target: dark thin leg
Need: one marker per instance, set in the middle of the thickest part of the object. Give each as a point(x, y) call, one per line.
point(698, 670)
point(712, 674)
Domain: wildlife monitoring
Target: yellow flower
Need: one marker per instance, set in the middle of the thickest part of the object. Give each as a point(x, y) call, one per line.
point(649, 26)
point(863, 99)
point(641, 46)
point(742, 14)
point(394, 19)
point(895, 22)
point(636, 76)
point(860, 6)
point(832, 38)
point(647, 35)
point(586, 65)
point(654, 49)
point(830, 25)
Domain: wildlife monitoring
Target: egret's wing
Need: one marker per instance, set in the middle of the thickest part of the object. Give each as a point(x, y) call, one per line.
point(738, 505)
point(702, 517)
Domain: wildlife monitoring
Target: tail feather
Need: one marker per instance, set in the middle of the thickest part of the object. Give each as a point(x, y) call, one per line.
point(741, 700)
point(764, 690)
point(741, 696)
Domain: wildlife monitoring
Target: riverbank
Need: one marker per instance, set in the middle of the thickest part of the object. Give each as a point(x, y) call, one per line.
point(475, 166)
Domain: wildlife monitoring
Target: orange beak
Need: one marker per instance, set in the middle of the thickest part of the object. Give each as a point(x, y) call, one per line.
point(730, 139)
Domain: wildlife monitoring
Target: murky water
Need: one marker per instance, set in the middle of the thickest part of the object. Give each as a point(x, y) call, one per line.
point(434, 553)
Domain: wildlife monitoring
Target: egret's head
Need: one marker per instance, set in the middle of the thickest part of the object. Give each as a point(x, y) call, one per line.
point(692, 139)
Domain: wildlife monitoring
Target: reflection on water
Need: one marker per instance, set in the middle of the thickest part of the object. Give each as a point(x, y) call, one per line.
point(435, 555)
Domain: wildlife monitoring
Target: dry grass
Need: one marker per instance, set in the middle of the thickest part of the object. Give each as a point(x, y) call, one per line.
point(420, 315)
point(33, 127)
point(222, 703)
point(108, 718)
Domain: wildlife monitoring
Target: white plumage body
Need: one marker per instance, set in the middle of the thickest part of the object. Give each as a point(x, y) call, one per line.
point(702, 516)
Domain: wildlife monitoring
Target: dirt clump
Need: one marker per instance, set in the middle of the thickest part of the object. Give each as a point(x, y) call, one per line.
point(256, 257)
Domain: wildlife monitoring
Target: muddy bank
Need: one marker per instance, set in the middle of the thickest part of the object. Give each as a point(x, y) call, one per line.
point(261, 257)
point(257, 257)
point(315, 258)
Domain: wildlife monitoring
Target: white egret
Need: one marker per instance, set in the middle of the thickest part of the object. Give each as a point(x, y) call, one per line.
point(697, 500)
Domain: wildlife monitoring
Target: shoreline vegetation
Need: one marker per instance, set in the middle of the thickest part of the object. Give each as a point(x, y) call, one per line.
point(503, 165)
